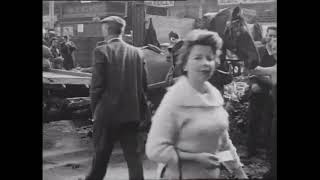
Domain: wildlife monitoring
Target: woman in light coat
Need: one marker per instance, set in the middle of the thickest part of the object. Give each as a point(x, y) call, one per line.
point(191, 126)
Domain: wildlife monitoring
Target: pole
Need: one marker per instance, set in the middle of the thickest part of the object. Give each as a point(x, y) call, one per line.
point(51, 14)
point(138, 23)
point(126, 9)
point(201, 8)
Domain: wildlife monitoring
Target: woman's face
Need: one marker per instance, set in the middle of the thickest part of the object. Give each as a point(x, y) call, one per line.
point(201, 62)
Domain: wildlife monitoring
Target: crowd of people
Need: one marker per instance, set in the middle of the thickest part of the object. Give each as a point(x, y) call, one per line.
point(58, 52)
point(190, 127)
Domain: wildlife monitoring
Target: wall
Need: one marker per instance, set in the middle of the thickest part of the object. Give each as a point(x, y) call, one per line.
point(73, 14)
point(163, 25)
point(266, 12)
point(76, 10)
point(190, 8)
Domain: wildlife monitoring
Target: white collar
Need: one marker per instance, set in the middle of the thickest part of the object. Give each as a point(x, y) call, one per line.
point(183, 94)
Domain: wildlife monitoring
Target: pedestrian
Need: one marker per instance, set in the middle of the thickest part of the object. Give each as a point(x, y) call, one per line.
point(175, 44)
point(173, 38)
point(57, 60)
point(260, 110)
point(117, 92)
point(46, 56)
point(67, 52)
point(190, 126)
point(45, 38)
point(272, 72)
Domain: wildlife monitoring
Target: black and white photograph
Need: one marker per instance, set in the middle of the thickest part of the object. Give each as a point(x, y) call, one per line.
point(151, 90)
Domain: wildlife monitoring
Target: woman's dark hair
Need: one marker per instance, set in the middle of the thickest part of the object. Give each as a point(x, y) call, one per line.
point(199, 37)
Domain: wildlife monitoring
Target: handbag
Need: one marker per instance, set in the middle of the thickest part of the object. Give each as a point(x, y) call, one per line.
point(163, 170)
point(179, 166)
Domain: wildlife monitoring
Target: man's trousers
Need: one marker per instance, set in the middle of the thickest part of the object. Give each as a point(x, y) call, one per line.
point(104, 140)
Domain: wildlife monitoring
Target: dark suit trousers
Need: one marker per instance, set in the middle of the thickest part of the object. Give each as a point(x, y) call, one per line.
point(273, 159)
point(104, 140)
point(260, 120)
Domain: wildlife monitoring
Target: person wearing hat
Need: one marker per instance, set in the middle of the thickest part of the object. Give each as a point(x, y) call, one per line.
point(67, 52)
point(46, 56)
point(117, 92)
point(57, 60)
point(173, 38)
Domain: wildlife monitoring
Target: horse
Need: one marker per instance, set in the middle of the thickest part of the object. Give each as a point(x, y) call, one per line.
point(158, 66)
point(163, 69)
point(237, 35)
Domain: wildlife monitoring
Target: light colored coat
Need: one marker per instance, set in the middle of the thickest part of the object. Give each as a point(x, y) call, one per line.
point(191, 122)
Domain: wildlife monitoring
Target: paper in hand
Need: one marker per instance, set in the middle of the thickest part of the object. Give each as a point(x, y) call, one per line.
point(225, 156)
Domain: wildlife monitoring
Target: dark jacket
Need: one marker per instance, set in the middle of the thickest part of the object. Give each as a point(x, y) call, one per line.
point(266, 61)
point(66, 52)
point(118, 83)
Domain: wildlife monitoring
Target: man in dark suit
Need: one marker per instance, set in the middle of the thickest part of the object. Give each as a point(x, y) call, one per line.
point(117, 92)
point(67, 51)
point(260, 101)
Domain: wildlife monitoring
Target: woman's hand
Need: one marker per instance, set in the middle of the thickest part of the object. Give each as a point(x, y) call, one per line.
point(208, 160)
point(255, 88)
point(255, 71)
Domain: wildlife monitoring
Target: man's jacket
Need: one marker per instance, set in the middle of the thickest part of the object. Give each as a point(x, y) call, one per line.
point(266, 61)
point(118, 82)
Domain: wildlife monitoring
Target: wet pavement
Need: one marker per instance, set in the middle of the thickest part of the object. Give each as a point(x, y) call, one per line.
point(67, 155)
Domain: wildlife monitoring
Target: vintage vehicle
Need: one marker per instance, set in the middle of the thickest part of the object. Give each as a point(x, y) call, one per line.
point(65, 95)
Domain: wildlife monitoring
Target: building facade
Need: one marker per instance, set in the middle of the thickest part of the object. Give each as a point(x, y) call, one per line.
point(265, 11)
point(76, 19)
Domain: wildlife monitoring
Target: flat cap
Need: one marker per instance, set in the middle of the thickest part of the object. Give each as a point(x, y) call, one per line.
point(115, 19)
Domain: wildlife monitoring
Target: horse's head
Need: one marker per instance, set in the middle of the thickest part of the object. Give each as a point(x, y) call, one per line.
point(217, 21)
point(238, 39)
